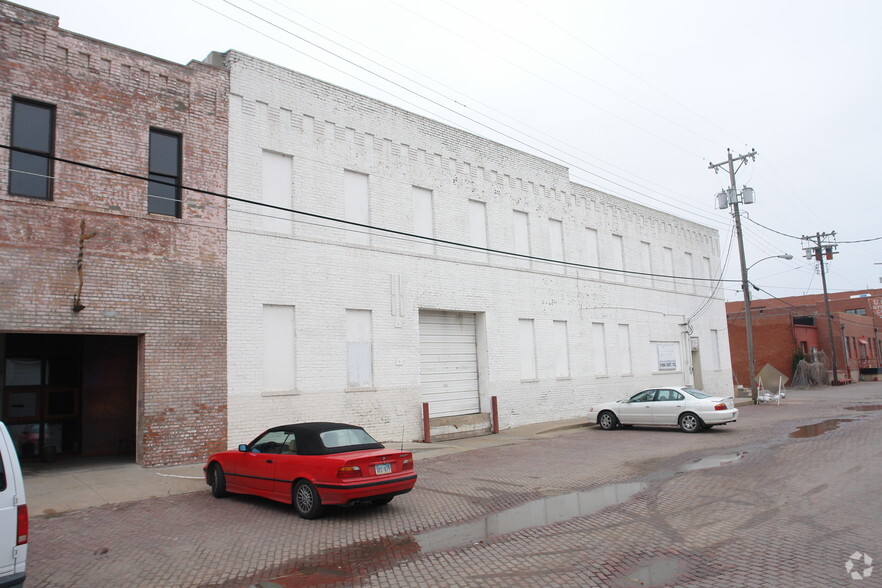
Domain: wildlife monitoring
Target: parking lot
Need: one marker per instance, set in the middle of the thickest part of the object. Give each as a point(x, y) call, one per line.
point(761, 502)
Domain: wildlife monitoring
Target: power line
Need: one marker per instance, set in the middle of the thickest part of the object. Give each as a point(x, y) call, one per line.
point(361, 225)
point(530, 146)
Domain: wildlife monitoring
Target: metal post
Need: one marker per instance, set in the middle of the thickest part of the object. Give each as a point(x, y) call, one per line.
point(427, 427)
point(495, 409)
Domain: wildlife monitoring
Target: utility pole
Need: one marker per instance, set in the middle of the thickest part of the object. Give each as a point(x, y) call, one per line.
point(727, 198)
point(820, 252)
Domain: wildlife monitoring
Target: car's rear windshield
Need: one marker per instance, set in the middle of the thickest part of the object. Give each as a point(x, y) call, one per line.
point(696, 393)
point(345, 437)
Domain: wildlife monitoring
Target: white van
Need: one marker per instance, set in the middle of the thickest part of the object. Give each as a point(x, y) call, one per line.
point(13, 516)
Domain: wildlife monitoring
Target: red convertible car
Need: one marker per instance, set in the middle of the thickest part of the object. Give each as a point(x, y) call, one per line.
point(312, 465)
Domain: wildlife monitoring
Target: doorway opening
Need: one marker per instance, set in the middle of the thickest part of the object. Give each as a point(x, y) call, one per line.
point(69, 395)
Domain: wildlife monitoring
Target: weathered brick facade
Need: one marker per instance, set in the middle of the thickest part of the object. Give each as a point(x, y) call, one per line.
point(160, 278)
point(857, 339)
point(317, 135)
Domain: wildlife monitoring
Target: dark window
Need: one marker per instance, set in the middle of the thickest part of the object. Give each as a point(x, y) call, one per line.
point(164, 188)
point(33, 129)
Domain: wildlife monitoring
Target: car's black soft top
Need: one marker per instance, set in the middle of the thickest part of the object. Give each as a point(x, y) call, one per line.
point(309, 441)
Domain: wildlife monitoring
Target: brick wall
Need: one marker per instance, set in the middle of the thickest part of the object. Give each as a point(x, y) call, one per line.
point(158, 277)
point(326, 130)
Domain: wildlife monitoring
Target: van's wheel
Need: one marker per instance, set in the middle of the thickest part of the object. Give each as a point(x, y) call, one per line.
point(607, 421)
point(218, 481)
point(307, 502)
point(690, 423)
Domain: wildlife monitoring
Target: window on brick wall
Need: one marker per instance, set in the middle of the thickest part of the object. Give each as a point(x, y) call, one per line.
point(527, 338)
point(561, 350)
point(164, 173)
point(33, 129)
point(478, 228)
point(521, 228)
point(356, 206)
point(556, 244)
point(598, 339)
point(276, 190)
point(423, 219)
point(624, 350)
point(618, 258)
point(359, 354)
point(278, 349)
point(591, 251)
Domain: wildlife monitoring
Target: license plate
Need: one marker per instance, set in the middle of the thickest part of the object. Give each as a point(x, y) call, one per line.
point(383, 468)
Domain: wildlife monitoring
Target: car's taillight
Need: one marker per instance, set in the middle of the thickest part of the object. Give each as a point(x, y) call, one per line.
point(721, 406)
point(407, 464)
point(349, 472)
point(21, 533)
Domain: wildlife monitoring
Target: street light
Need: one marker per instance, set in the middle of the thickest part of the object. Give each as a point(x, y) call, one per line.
point(786, 256)
point(751, 363)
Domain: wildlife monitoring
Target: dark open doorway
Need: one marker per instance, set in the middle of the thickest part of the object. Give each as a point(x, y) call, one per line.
point(66, 395)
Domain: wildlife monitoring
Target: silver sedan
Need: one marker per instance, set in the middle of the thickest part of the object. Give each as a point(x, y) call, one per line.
point(675, 406)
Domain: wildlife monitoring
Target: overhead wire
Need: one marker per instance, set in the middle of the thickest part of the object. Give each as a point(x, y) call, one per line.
point(350, 223)
point(690, 211)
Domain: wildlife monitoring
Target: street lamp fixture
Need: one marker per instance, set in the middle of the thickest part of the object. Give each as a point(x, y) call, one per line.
point(786, 256)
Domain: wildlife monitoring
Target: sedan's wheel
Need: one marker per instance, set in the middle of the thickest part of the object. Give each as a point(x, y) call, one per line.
point(381, 501)
point(690, 423)
point(218, 481)
point(607, 421)
point(307, 502)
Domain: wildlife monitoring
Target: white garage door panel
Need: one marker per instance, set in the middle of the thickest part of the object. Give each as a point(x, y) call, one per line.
point(448, 363)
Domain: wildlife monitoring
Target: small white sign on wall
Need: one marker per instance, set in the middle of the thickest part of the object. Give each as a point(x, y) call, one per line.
point(667, 357)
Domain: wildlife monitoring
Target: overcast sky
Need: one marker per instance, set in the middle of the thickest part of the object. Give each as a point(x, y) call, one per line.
point(637, 98)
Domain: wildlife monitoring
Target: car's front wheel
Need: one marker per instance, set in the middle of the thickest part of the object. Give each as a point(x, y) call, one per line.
point(307, 502)
point(218, 481)
point(690, 423)
point(607, 421)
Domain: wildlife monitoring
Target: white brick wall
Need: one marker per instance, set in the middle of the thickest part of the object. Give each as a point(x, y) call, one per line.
point(327, 130)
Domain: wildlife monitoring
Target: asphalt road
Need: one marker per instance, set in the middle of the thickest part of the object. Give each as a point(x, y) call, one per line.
point(784, 497)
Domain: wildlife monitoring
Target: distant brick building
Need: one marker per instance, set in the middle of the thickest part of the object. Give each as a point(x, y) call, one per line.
point(112, 291)
point(783, 327)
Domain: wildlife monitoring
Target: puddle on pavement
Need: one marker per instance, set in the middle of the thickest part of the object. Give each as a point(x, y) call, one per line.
point(806, 431)
point(658, 573)
point(865, 407)
point(348, 562)
point(545, 511)
point(713, 461)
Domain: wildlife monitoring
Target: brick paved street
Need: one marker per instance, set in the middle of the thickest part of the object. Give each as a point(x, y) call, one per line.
point(789, 512)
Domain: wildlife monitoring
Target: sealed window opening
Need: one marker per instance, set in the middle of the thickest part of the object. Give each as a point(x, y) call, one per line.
point(33, 129)
point(164, 187)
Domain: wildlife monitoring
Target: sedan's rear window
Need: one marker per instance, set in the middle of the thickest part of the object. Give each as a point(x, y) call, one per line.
point(696, 393)
point(345, 437)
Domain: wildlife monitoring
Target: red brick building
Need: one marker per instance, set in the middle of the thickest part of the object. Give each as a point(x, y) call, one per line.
point(112, 288)
point(784, 326)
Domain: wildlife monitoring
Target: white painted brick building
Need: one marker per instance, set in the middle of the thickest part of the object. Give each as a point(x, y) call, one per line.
point(336, 322)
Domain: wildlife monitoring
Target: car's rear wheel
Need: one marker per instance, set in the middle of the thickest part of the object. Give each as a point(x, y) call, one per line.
point(307, 502)
point(218, 481)
point(607, 420)
point(381, 501)
point(690, 423)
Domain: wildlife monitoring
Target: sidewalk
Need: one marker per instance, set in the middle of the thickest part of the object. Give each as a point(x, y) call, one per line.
point(56, 488)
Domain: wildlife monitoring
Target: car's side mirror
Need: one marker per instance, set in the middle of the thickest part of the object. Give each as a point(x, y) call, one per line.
point(243, 447)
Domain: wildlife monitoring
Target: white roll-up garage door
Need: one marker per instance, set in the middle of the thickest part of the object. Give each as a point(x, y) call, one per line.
point(448, 363)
